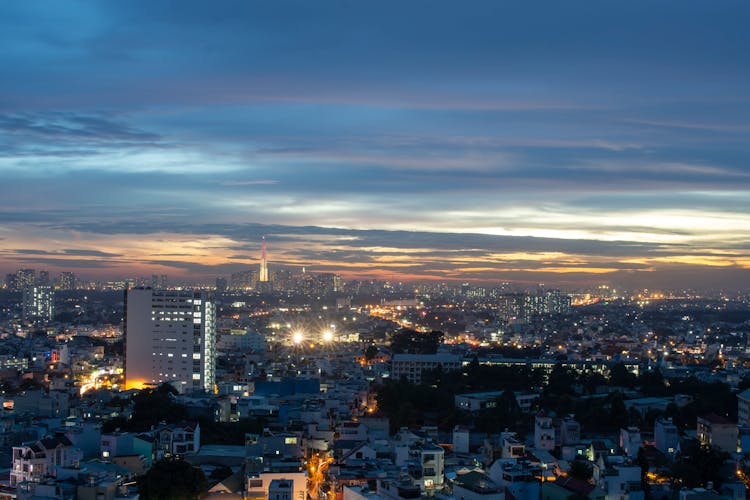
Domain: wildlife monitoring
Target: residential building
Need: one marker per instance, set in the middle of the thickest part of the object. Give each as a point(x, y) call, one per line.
point(35, 461)
point(38, 303)
point(180, 439)
point(170, 336)
point(666, 436)
point(544, 432)
point(476, 485)
point(630, 441)
point(67, 280)
point(743, 408)
point(411, 366)
point(258, 485)
point(570, 431)
point(718, 431)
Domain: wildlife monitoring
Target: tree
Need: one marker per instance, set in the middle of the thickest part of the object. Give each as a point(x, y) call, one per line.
point(561, 380)
point(152, 406)
point(172, 478)
point(413, 342)
point(621, 377)
point(581, 469)
point(697, 465)
point(371, 352)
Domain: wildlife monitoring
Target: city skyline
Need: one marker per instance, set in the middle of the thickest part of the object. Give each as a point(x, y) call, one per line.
point(569, 144)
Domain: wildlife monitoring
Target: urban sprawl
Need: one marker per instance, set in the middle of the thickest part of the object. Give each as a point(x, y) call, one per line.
point(285, 384)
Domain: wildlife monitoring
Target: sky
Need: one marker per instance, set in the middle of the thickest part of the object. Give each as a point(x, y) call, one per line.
point(570, 143)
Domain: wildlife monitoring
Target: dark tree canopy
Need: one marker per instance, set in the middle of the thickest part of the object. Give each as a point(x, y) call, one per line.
point(413, 342)
point(580, 469)
point(150, 407)
point(171, 479)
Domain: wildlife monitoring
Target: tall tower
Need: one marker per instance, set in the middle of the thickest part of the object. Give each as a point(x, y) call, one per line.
point(170, 336)
point(263, 263)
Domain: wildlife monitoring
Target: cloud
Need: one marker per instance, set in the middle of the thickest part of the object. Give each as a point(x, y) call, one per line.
point(249, 183)
point(448, 147)
point(74, 252)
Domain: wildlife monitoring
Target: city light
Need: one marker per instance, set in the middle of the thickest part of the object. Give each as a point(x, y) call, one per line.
point(297, 338)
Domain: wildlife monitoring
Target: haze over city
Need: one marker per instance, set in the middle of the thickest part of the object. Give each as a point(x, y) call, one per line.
point(569, 143)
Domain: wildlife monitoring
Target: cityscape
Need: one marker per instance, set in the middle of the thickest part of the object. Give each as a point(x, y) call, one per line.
point(374, 251)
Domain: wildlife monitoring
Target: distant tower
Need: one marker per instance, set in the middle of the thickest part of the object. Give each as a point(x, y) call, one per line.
point(263, 263)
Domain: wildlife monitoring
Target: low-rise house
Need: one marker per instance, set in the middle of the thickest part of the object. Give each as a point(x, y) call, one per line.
point(666, 436)
point(476, 485)
point(718, 431)
point(35, 461)
point(178, 439)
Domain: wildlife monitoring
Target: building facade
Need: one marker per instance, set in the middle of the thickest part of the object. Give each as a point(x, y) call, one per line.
point(170, 336)
point(411, 366)
point(38, 303)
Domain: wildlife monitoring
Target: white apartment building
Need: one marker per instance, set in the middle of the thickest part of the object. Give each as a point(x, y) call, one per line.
point(170, 336)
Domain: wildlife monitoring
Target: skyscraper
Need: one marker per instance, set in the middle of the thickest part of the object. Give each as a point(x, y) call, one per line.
point(38, 303)
point(170, 336)
point(24, 278)
point(67, 280)
point(11, 282)
point(263, 276)
point(43, 278)
point(244, 280)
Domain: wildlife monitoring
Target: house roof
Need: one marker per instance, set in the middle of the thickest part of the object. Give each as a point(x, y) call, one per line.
point(744, 395)
point(346, 444)
point(476, 481)
point(52, 443)
point(713, 418)
point(575, 485)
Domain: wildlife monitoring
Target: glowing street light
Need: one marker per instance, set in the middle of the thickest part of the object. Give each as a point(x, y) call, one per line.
point(297, 338)
point(328, 335)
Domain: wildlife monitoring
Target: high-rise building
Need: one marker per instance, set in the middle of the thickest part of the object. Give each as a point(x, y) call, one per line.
point(67, 280)
point(170, 336)
point(11, 282)
point(221, 284)
point(244, 280)
point(43, 278)
point(38, 303)
point(24, 278)
point(263, 275)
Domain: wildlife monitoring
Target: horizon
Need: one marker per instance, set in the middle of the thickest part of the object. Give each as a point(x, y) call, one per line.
point(567, 144)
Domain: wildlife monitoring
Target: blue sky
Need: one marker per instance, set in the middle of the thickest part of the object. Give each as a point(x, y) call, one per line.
point(563, 142)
